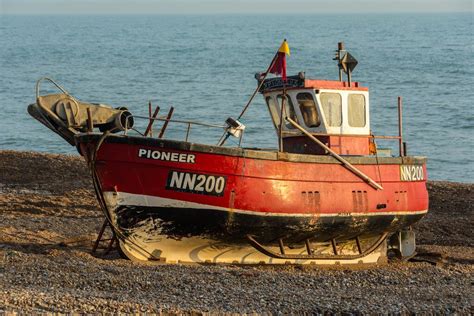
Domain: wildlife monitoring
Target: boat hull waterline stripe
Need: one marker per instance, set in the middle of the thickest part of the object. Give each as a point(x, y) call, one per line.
point(129, 199)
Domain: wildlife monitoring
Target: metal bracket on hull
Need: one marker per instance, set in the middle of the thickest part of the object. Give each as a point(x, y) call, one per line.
point(310, 254)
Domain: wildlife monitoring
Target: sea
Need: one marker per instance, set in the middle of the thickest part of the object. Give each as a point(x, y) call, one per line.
point(204, 67)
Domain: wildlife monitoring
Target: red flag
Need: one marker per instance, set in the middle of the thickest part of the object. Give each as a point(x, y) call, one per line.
point(279, 66)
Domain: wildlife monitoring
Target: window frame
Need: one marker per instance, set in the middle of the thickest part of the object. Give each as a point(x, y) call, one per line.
point(349, 95)
point(276, 107)
point(315, 106)
point(288, 105)
point(341, 108)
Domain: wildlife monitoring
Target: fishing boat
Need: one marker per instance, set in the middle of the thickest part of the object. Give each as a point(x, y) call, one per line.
point(326, 195)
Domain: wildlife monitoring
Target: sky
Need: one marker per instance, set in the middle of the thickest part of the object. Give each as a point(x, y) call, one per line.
point(230, 6)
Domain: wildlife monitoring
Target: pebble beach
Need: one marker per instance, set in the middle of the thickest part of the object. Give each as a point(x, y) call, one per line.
point(49, 219)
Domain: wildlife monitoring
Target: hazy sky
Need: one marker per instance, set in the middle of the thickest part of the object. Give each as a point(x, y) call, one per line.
point(229, 6)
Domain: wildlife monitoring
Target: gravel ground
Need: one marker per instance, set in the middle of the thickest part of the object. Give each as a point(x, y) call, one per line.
point(49, 215)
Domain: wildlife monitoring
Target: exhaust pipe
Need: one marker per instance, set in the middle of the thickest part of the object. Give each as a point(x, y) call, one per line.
point(122, 121)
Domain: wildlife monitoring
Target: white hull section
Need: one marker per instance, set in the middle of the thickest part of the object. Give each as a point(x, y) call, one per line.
point(130, 199)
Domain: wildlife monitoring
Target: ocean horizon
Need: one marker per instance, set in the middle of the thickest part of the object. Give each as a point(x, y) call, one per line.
point(204, 64)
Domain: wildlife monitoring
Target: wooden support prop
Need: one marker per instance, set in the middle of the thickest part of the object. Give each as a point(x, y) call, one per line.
point(334, 247)
point(165, 125)
point(359, 248)
point(99, 237)
point(308, 247)
point(90, 123)
point(112, 240)
point(344, 162)
point(111, 243)
point(282, 246)
point(149, 129)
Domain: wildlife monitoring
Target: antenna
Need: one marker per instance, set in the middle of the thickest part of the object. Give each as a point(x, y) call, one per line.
point(346, 62)
point(340, 52)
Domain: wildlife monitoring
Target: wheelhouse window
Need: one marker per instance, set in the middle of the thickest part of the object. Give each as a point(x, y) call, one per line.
point(332, 108)
point(274, 111)
point(289, 110)
point(308, 109)
point(356, 110)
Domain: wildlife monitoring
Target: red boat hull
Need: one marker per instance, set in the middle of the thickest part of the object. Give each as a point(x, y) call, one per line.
point(199, 190)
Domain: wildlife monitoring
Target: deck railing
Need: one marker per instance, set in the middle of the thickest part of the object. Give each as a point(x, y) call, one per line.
point(166, 119)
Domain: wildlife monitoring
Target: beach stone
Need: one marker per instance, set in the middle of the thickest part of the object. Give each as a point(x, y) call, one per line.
point(38, 274)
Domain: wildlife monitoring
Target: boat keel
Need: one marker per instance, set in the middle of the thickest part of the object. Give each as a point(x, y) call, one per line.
point(206, 251)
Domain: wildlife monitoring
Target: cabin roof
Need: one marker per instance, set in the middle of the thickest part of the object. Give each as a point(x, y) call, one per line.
point(333, 84)
point(296, 82)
